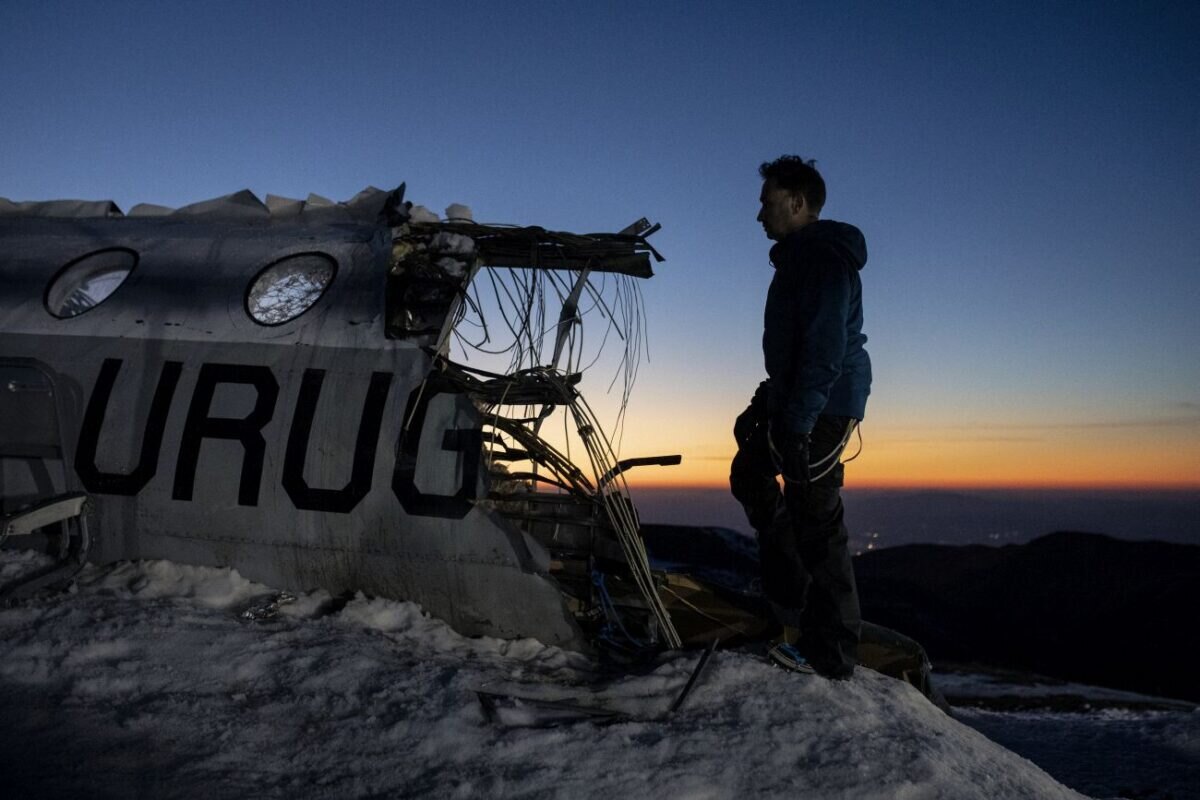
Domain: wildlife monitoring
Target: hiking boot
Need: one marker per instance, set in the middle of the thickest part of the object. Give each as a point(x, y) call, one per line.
point(786, 635)
point(787, 656)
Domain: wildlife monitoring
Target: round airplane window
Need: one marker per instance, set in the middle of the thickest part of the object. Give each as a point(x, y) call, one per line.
point(88, 281)
point(287, 288)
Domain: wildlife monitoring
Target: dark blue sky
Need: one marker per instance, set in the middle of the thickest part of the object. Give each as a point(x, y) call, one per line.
point(1027, 175)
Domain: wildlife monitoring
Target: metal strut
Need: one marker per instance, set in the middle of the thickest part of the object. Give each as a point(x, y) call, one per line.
point(73, 548)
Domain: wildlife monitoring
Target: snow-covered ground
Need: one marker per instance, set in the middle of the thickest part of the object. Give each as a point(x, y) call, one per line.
point(146, 682)
point(1104, 742)
point(1149, 755)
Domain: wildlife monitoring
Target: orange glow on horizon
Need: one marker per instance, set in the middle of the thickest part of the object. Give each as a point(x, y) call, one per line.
point(911, 485)
point(900, 449)
point(1112, 460)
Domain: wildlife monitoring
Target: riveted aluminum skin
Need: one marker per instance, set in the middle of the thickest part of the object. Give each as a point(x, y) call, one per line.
point(207, 438)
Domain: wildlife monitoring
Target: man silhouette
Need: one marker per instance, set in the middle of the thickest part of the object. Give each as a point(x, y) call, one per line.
point(800, 419)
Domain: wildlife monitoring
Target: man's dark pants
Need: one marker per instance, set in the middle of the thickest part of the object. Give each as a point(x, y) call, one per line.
point(803, 544)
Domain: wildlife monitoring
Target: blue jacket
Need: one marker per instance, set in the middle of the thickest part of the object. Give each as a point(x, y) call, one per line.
point(812, 326)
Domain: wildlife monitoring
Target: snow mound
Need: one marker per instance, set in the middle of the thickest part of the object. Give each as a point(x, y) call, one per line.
point(150, 682)
point(150, 580)
point(422, 214)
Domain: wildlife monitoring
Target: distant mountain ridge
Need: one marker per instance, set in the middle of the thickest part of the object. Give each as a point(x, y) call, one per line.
point(880, 518)
point(1078, 606)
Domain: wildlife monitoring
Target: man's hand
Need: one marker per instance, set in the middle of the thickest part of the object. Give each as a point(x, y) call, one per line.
point(748, 420)
point(789, 449)
point(744, 425)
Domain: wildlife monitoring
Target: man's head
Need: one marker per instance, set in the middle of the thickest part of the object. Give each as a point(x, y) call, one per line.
point(793, 193)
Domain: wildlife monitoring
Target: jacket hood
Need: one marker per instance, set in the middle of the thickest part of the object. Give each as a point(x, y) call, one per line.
point(843, 237)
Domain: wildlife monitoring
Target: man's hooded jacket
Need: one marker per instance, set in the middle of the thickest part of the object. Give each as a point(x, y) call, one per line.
point(812, 326)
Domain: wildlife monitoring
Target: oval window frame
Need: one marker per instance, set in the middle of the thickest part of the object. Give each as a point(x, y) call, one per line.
point(333, 273)
point(63, 274)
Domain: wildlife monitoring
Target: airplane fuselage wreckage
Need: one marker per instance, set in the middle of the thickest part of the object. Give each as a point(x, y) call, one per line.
point(270, 387)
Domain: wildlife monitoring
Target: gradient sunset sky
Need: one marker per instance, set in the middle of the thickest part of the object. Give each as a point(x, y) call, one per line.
point(1027, 175)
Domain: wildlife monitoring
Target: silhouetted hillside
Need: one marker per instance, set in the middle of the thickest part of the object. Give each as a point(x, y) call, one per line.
point(1080, 606)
